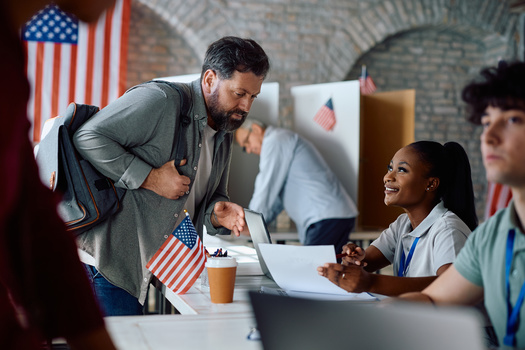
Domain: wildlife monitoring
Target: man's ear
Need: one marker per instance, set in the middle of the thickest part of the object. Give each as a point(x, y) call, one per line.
point(209, 80)
point(257, 129)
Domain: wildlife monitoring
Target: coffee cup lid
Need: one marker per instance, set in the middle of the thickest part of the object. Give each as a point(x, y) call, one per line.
point(223, 261)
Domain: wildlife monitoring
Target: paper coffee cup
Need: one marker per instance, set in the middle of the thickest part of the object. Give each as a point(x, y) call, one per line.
point(221, 278)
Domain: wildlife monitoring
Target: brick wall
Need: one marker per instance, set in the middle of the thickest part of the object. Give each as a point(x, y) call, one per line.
point(433, 46)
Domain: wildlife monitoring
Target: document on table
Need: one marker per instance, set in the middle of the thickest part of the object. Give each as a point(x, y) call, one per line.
point(294, 269)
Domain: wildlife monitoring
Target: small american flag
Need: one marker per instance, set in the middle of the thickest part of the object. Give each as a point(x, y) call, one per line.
point(326, 116)
point(180, 260)
point(366, 83)
point(72, 61)
point(498, 197)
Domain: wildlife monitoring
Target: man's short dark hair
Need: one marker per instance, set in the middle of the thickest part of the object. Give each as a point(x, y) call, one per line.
point(502, 86)
point(230, 54)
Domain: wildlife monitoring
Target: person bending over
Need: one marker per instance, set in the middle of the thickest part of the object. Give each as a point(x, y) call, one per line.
point(294, 176)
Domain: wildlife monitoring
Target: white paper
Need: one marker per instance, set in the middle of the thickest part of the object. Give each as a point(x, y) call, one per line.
point(294, 268)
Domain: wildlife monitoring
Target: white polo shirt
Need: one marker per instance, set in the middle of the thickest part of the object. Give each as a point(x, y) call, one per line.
point(442, 235)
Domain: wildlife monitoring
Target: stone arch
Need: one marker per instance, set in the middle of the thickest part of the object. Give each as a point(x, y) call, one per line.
point(156, 49)
point(196, 22)
point(494, 25)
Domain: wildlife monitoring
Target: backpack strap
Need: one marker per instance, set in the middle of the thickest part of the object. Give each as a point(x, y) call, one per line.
point(178, 150)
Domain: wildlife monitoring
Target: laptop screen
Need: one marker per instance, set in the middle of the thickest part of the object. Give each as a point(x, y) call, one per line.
point(299, 323)
point(259, 234)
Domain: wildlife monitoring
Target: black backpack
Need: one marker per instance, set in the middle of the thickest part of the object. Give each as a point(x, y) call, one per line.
point(88, 197)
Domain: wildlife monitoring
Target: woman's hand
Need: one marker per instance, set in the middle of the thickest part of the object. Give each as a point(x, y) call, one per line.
point(354, 255)
point(351, 278)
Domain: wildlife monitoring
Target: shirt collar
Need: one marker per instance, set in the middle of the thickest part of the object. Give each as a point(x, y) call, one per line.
point(438, 211)
point(511, 218)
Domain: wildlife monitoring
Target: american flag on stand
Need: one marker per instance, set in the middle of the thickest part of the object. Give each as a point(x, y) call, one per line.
point(180, 260)
point(498, 197)
point(326, 116)
point(366, 83)
point(71, 61)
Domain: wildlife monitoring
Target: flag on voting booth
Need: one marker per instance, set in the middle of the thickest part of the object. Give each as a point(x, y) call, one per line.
point(180, 260)
point(326, 116)
point(366, 83)
point(72, 61)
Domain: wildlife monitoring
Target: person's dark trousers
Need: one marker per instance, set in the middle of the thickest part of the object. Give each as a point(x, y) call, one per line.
point(113, 301)
point(330, 232)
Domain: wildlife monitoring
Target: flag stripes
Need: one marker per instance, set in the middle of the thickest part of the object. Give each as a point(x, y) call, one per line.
point(180, 260)
point(498, 197)
point(366, 84)
point(325, 117)
point(83, 63)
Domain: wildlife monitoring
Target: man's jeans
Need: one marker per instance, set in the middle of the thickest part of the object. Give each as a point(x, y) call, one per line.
point(330, 232)
point(113, 301)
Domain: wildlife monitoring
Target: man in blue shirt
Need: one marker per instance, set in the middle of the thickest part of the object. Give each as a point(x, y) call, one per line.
point(293, 176)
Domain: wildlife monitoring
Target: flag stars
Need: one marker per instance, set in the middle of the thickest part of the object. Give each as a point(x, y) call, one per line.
point(48, 25)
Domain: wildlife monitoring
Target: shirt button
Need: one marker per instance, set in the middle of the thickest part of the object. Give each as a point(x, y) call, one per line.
point(195, 168)
point(176, 215)
point(145, 280)
point(200, 144)
point(187, 192)
point(196, 116)
point(165, 236)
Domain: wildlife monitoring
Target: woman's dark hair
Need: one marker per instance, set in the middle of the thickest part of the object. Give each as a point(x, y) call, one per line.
point(502, 86)
point(450, 164)
point(230, 54)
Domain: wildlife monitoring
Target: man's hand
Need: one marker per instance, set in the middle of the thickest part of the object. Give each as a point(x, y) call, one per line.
point(167, 182)
point(229, 215)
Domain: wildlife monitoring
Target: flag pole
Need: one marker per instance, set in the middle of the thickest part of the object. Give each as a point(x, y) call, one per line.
point(363, 71)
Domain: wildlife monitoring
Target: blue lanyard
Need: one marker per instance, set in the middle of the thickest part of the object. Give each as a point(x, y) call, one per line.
point(403, 266)
point(513, 313)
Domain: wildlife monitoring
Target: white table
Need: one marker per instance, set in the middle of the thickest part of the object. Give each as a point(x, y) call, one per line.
point(201, 324)
point(181, 332)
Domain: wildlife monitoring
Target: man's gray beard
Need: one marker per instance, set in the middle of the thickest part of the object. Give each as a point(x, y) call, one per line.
point(221, 118)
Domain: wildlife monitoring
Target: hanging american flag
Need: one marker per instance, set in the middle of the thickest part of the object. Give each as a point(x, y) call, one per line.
point(326, 116)
point(498, 197)
point(71, 61)
point(180, 260)
point(366, 83)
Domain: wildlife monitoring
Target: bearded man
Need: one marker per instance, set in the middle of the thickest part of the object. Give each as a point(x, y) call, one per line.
point(132, 140)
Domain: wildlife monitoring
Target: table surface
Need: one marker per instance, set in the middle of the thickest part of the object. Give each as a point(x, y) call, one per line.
point(159, 332)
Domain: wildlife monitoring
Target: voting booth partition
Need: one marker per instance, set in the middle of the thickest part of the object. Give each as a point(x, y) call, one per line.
point(369, 129)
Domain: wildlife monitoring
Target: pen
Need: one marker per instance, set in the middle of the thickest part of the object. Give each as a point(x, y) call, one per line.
point(342, 255)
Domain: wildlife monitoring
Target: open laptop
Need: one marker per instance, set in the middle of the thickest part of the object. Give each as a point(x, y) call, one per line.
point(298, 323)
point(259, 234)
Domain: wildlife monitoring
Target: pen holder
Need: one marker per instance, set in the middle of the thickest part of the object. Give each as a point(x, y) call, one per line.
point(221, 278)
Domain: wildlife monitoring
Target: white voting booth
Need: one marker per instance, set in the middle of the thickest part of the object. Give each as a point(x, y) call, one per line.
point(339, 146)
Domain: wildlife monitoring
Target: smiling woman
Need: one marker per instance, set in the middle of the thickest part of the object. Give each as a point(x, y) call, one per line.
point(432, 183)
